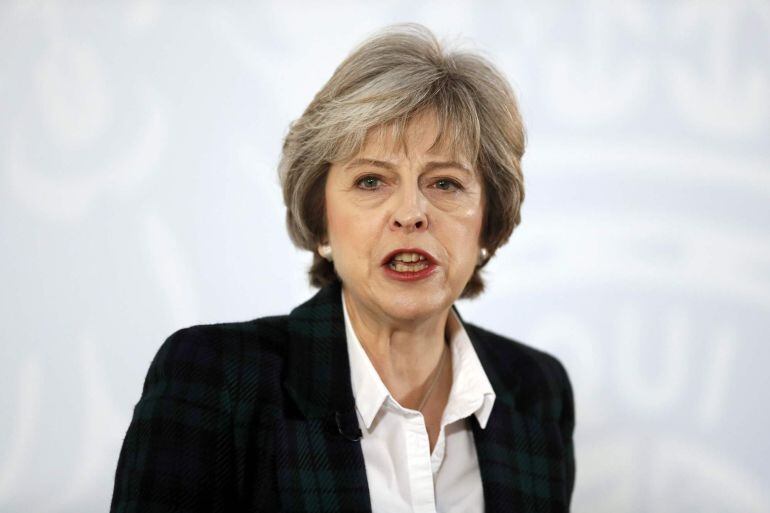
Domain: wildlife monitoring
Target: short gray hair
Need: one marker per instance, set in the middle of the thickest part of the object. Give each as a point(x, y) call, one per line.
point(385, 82)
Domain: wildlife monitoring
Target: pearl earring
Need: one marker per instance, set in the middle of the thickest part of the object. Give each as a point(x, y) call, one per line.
point(325, 250)
point(483, 255)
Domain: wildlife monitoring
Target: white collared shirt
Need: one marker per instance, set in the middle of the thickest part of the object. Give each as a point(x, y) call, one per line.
point(403, 475)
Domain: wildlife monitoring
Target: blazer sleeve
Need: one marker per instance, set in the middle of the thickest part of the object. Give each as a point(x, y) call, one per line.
point(177, 453)
point(567, 427)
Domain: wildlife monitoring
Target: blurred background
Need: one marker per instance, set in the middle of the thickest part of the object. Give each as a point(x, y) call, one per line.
point(139, 194)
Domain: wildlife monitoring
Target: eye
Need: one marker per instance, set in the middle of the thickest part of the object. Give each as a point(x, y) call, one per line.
point(446, 184)
point(368, 182)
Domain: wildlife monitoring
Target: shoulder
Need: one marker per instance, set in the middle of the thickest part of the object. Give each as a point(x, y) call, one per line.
point(212, 364)
point(538, 382)
point(203, 347)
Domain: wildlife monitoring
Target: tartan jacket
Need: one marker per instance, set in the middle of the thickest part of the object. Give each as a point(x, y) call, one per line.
point(250, 417)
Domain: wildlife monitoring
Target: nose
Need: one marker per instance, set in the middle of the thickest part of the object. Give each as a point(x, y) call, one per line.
point(410, 211)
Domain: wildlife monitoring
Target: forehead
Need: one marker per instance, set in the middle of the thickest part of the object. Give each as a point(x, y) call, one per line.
point(422, 135)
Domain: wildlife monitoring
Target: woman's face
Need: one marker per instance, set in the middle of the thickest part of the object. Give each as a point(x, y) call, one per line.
point(388, 198)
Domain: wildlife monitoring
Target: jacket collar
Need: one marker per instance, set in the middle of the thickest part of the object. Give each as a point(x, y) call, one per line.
point(500, 371)
point(318, 377)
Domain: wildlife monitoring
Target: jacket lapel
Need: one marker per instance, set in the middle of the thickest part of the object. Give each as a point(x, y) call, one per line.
point(320, 462)
point(513, 449)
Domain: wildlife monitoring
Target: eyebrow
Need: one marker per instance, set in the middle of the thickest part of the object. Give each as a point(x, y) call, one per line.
point(430, 166)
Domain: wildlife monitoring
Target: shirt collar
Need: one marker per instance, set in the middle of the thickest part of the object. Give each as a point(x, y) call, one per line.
point(471, 392)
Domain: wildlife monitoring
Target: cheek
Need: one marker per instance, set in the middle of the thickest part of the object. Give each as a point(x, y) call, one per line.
point(340, 217)
point(463, 236)
point(468, 221)
point(347, 223)
point(353, 232)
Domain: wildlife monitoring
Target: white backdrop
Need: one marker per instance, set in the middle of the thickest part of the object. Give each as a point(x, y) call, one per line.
point(139, 194)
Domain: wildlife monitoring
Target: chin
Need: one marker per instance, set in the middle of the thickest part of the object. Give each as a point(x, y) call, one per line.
point(415, 305)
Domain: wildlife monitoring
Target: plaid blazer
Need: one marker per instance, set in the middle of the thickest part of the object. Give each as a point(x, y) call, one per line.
point(252, 417)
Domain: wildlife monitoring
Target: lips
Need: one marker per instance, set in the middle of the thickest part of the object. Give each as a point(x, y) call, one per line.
point(419, 251)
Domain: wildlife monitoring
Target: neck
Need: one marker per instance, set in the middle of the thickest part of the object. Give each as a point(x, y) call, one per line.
point(405, 354)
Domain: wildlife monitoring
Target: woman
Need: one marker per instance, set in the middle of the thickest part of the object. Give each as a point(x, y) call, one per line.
point(403, 177)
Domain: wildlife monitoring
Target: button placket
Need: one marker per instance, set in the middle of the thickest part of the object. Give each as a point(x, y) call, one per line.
point(420, 470)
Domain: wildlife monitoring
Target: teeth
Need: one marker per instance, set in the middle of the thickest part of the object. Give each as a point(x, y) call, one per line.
point(408, 257)
point(402, 267)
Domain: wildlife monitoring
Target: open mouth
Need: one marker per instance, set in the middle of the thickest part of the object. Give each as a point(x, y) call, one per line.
point(408, 262)
point(411, 267)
